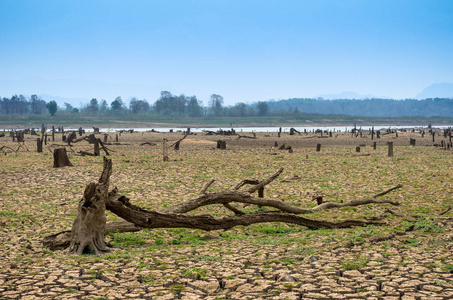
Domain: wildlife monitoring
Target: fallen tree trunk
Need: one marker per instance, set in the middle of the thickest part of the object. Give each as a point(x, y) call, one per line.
point(153, 219)
point(90, 225)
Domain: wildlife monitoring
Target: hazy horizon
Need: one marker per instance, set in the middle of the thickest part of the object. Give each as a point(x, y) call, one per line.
point(246, 51)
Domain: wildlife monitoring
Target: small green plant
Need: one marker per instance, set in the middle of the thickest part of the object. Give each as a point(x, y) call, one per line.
point(356, 263)
point(428, 226)
point(287, 260)
point(126, 239)
point(47, 251)
point(142, 265)
point(70, 291)
point(412, 242)
point(177, 288)
point(288, 286)
point(274, 229)
point(196, 273)
point(448, 268)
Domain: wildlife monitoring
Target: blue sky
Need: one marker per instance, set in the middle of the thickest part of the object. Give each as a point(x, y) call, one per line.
point(244, 50)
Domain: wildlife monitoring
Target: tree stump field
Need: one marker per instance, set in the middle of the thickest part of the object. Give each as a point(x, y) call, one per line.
point(398, 246)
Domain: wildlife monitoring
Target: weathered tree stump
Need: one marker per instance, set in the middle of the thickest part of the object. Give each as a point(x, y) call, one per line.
point(97, 150)
point(88, 229)
point(412, 142)
point(165, 150)
point(357, 149)
point(221, 144)
point(318, 147)
point(39, 145)
point(60, 158)
point(72, 136)
point(20, 136)
point(390, 149)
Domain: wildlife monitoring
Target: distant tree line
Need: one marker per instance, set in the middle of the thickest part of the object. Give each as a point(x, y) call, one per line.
point(181, 106)
point(442, 107)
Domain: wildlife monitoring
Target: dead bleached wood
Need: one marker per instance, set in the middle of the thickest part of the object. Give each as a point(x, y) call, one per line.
point(152, 219)
point(206, 186)
point(5, 149)
point(88, 229)
point(90, 225)
point(245, 137)
point(371, 200)
point(177, 142)
point(61, 240)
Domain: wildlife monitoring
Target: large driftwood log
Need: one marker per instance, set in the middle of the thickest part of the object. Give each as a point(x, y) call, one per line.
point(90, 225)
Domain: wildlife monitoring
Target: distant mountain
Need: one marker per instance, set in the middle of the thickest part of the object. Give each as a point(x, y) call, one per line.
point(346, 95)
point(437, 90)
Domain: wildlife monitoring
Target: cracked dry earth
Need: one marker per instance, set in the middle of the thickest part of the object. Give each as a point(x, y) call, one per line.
point(261, 261)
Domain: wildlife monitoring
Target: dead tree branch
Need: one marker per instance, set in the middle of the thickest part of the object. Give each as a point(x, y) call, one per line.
point(178, 141)
point(90, 226)
point(329, 205)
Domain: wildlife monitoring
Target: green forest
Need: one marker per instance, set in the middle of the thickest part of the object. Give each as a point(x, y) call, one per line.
point(174, 106)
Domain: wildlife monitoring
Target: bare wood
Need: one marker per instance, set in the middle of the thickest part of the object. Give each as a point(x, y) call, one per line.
point(88, 229)
point(445, 211)
point(61, 240)
point(178, 141)
point(60, 158)
point(83, 153)
point(71, 137)
point(291, 178)
point(233, 196)
point(329, 205)
point(234, 209)
point(165, 150)
point(265, 182)
point(246, 181)
point(206, 186)
point(148, 143)
point(246, 137)
point(152, 219)
point(387, 191)
point(4, 148)
point(103, 147)
point(83, 138)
